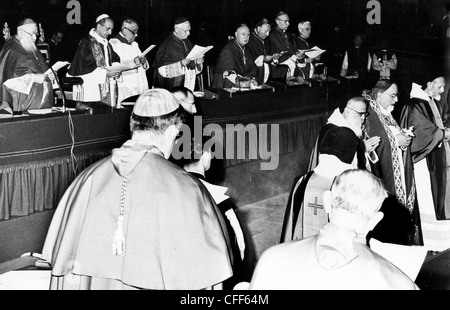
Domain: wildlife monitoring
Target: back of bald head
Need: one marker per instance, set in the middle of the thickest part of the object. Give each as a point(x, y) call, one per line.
point(128, 22)
point(352, 102)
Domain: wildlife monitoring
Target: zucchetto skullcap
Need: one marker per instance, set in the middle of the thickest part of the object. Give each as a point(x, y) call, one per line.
point(101, 17)
point(180, 20)
point(155, 102)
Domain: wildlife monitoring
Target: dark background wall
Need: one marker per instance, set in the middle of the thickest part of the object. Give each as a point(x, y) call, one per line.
point(415, 28)
point(403, 19)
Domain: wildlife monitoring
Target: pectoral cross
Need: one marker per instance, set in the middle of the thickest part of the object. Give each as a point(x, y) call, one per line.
point(315, 205)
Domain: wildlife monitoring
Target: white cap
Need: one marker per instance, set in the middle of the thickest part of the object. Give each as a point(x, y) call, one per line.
point(101, 17)
point(155, 102)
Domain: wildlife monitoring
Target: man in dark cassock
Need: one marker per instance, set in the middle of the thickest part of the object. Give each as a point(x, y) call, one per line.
point(401, 221)
point(236, 63)
point(92, 61)
point(24, 82)
point(134, 220)
point(431, 156)
point(306, 64)
point(357, 63)
point(172, 67)
point(283, 46)
point(57, 48)
point(259, 45)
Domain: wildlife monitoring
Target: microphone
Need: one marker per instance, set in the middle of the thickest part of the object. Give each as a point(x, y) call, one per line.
point(63, 95)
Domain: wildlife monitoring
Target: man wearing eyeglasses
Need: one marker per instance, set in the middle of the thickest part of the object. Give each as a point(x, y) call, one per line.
point(172, 67)
point(24, 84)
point(353, 116)
point(92, 62)
point(132, 82)
point(283, 45)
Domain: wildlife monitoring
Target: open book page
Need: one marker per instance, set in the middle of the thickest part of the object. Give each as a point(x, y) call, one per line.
point(147, 50)
point(232, 77)
point(121, 67)
point(314, 52)
point(57, 65)
point(408, 259)
point(198, 52)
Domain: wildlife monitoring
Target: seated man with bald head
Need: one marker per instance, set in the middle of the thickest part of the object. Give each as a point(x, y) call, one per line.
point(23, 79)
point(337, 258)
point(236, 60)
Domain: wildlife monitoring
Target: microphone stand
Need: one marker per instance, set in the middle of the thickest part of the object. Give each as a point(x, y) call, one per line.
point(63, 95)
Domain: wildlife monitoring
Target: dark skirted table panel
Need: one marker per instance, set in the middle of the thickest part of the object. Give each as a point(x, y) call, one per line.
point(264, 106)
point(40, 155)
point(42, 137)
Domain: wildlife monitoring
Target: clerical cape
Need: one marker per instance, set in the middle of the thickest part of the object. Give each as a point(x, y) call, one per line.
point(18, 89)
point(174, 236)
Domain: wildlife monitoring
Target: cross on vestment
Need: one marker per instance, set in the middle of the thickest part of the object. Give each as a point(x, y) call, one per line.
point(315, 205)
point(314, 217)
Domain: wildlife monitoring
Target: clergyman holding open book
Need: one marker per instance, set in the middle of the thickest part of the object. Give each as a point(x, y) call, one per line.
point(172, 65)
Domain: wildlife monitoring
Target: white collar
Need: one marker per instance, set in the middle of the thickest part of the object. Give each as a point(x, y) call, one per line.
point(330, 166)
point(336, 118)
point(97, 37)
point(418, 92)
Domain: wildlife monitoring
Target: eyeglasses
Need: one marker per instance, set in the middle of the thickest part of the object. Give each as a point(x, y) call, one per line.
point(31, 34)
point(361, 114)
point(134, 32)
point(392, 95)
point(283, 20)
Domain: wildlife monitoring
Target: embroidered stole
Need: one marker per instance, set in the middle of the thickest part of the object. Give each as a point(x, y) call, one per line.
point(386, 121)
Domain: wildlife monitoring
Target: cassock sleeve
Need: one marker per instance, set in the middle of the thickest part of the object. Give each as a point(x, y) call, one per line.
point(83, 61)
point(427, 134)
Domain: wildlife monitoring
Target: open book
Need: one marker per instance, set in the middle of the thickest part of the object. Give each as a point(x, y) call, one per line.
point(57, 65)
point(147, 50)
point(408, 259)
point(198, 52)
point(314, 52)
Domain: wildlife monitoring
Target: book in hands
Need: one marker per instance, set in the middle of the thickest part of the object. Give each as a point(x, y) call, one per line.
point(198, 52)
point(56, 66)
point(147, 50)
point(408, 259)
point(314, 52)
